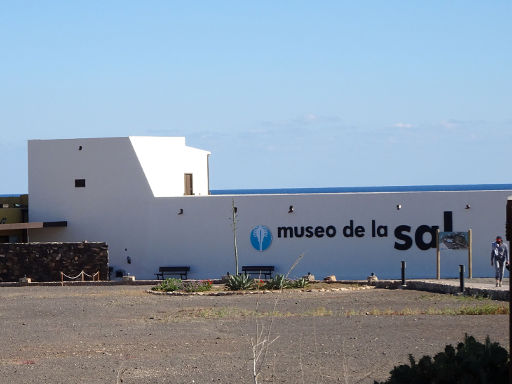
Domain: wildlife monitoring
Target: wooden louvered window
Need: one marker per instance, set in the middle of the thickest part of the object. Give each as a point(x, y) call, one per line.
point(189, 187)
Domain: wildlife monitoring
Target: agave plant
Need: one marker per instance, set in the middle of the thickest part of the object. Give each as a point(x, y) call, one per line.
point(277, 282)
point(239, 282)
point(299, 283)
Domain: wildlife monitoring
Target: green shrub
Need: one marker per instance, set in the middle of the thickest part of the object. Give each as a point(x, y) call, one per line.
point(197, 286)
point(299, 283)
point(173, 284)
point(277, 282)
point(169, 285)
point(239, 282)
point(470, 362)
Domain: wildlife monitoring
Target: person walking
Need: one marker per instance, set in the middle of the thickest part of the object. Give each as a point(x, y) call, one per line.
point(499, 258)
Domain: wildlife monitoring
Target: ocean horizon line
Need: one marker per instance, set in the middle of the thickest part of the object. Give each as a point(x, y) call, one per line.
point(391, 188)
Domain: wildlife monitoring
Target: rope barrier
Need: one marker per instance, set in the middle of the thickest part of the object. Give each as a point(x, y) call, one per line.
point(72, 278)
point(94, 276)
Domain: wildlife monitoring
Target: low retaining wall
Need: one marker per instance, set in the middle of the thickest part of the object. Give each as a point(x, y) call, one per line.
point(453, 289)
point(45, 261)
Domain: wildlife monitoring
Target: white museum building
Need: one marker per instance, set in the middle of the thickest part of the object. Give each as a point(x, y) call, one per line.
point(148, 198)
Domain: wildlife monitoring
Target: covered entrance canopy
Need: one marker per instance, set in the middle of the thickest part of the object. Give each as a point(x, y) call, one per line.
point(18, 232)
point(33, 225)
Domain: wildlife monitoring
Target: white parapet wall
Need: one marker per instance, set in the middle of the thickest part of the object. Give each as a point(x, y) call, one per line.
point(129, 203)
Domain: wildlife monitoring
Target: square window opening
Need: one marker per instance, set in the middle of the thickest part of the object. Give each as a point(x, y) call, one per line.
point(79, 183)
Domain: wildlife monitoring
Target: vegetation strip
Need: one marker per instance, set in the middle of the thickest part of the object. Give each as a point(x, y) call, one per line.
point(252, 292)
point(488, 309)
point(234, 312)
point(243, 284)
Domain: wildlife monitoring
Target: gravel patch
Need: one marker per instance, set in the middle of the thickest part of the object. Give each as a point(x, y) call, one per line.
point(114, 334)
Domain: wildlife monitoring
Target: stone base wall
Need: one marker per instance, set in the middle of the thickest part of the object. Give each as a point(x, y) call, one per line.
point(45, 261)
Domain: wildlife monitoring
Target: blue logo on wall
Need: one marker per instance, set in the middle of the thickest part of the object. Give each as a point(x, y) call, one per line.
point(261, 237)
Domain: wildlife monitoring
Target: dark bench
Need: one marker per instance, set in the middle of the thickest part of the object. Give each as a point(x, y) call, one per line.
point(182, 271)
point(260, 270)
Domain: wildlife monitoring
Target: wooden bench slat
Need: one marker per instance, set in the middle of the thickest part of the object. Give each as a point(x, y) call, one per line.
point(258, 267)
point(173, 269)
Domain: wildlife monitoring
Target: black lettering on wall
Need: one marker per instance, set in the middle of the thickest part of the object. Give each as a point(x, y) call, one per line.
point(448, 221)
point(319, 231)
point(382, 231)
point(359, 231)
point(330, 231)
point(400, 235)
point(420, 232)
point(348, 230)
point(285, 232)
point(309, 231)
point(297, 233)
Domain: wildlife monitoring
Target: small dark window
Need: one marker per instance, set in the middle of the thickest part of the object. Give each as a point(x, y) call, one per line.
point(79, 183)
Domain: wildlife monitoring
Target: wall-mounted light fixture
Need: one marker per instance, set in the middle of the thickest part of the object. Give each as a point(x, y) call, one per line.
point(467, 206)
point(291, 209)
point(180, 211)
point(79, 147)
point(235, 209)
point(398, 207)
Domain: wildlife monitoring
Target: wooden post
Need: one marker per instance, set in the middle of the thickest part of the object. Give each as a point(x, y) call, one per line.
point(82, 275)
point(470, 254)
point(233, 218)
point(438, 254)
point(62, 277)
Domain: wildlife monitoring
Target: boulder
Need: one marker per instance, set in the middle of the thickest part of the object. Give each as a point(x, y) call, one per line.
point(309, 277)
point(372, 279)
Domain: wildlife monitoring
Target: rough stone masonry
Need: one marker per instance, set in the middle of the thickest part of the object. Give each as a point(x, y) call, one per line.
point(45, 261)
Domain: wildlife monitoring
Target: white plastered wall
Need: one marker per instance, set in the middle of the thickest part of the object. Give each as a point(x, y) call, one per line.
point(165, 160)
point(118, 206)
point(202, 237)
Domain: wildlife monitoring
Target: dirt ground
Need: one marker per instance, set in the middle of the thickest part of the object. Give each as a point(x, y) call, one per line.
point(121, 334)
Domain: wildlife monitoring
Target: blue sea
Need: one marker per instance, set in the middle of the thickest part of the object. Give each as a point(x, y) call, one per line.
point(398, 188)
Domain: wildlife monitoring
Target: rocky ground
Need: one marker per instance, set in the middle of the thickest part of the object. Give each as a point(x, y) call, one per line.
point(122, 334)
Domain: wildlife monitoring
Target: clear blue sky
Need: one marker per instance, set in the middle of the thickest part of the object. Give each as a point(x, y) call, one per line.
point(283, 93)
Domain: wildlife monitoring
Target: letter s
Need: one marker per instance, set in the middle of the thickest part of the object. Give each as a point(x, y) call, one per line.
point(400, 235)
